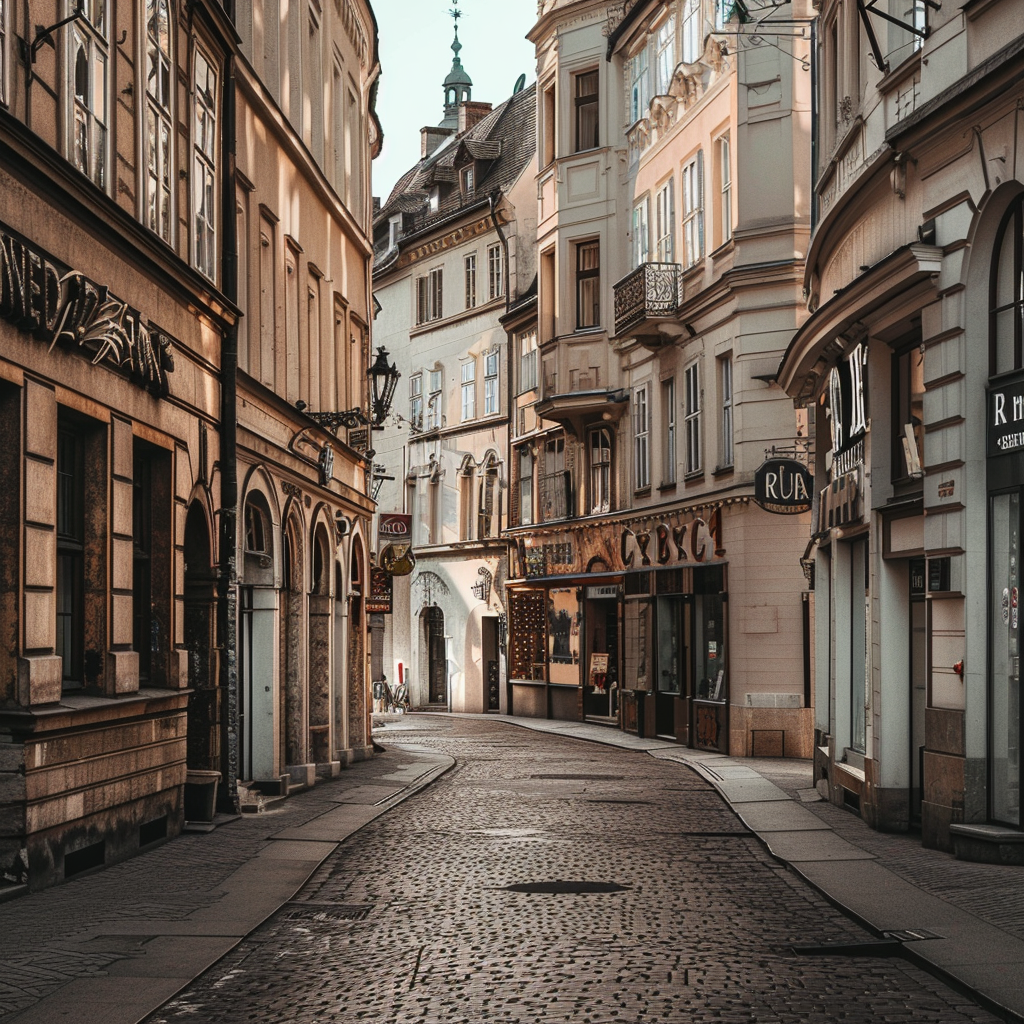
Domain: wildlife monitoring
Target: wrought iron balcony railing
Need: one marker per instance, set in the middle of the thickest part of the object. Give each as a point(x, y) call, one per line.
point(651, 292)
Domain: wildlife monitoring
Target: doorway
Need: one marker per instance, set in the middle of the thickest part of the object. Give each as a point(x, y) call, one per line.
point(671, 668)
point(437, 668)
point(918, 690)
point(489, 629)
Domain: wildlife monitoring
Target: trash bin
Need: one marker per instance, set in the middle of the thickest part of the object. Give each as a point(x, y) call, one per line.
point(201, 795)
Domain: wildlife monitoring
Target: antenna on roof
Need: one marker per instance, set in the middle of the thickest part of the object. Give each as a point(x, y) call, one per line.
point(520, 84)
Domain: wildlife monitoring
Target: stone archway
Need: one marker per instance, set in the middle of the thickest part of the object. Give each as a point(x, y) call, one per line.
point(204, 711)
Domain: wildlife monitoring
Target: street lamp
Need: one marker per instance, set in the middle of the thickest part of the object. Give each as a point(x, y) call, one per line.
point(383, 381)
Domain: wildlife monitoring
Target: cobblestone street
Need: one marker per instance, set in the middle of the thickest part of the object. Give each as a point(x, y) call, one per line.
point(421, 915)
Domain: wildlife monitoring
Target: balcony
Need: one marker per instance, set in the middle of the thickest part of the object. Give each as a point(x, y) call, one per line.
point(646, 302)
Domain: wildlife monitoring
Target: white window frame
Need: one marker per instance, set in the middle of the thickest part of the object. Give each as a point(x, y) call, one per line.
point(492, 402)
point(665, 56)
point(640, 88)
point(725, 183)
point(599, 454)
point(641, 234)
point(693, 37)
point(157, 166)
point(495, 271)
point(88, 113)
point(526, 343)
point(469, 264)
point(693, 210)
point(468, 390)
point(641, 438)
point(205, 191)
point(429, 295)
point(665, 222)
point(692, 418)
point(434, 400)
point(416, 401)
point(668, 416)
point(725, 369)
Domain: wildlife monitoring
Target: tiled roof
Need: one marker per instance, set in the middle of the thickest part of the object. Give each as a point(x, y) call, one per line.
point(500, 145)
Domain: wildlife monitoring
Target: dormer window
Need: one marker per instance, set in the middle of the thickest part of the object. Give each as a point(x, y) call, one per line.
point(468, 180)
point(394, 230)
point(435, 199)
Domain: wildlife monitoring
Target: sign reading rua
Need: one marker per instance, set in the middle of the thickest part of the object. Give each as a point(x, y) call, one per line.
point(60, 306)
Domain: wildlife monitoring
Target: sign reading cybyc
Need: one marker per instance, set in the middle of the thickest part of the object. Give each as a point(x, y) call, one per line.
point(784, 487)
point(1006, 418)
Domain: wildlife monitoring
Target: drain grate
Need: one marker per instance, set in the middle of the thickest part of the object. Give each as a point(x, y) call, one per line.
point(581, 778)
point(557, 887)
point(326, 911)
point(911, 935)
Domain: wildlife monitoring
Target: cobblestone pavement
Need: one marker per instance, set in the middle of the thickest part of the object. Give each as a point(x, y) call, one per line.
point(992, 892)
point(413, 919)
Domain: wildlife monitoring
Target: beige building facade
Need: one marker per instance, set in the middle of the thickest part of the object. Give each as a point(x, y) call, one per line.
point(911, 356)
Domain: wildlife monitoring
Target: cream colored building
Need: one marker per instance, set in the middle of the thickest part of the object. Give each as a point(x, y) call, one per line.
point(912, 357)
point(649, 590)
point(306, 133)
point(454, 246)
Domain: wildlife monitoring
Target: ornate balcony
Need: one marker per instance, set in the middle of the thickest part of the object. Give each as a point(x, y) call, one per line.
point(646, 302)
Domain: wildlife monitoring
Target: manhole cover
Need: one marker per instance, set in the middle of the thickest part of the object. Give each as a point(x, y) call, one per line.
point(326, 911)
point(580, 778)
point(565, 887)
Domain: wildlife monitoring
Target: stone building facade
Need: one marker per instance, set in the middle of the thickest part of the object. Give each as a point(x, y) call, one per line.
point(912, 358)
point(114, 318)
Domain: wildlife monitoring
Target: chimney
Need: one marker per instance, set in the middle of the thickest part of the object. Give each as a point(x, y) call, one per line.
point(431, 138)
point(471, 112)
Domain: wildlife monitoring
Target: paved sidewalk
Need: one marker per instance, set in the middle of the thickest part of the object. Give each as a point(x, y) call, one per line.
point(111, 947)
point(962, 921)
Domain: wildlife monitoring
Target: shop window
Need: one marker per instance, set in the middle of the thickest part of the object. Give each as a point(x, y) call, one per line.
point(71, 554)
point(563, 636)
point(204, 167)
point(641, 439)
point(588, 285)
point(600, 471)
point(470, 275)
point(859, 618)
point(158, 134)
point(527, 622)
point(88, 88)
point(1007, 292)
point(554, 481)
point(693, 210)
point(587, 119)
point(692, 419)
point(525, 486)
point(908, 413)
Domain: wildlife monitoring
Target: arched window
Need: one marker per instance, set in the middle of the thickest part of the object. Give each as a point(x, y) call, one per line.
point(255, 529)
point(488, 499)
point(1007, 292)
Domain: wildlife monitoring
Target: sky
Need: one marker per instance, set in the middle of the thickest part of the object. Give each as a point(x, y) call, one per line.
point(415, 53)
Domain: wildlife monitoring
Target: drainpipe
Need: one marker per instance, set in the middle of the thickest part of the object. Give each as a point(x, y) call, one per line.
point(227, 575)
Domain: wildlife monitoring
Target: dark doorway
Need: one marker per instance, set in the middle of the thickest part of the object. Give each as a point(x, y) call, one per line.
point(671, 665)
point(437, 665)
point(203, 703)
point(489, 629)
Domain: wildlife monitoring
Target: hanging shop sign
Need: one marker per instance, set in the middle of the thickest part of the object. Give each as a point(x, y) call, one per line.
point(394, 533)
point(60, 306)
point(784, 487)
point(839, 502)
point(1006, 418)
point(381, 591)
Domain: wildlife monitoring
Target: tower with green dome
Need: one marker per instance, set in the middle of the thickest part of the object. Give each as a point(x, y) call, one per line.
point(458, 86)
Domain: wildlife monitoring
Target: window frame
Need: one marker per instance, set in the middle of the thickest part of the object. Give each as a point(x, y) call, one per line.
point(157, 170)
point(668, 418)
point(665, 44)
point(554, 504)
point(416, 401)
point(4, 35)
point(495, 271)
point(204, 165)
point(691, 49)
point(665, 221)
point(430, 296)
point(599, 462)
point(693, 209)
point(1010, 231)
point(641, 249)
point(583, 277)
point(70, 544)
point(526, 458)
point(469, 268)
point(492, 399)
point(641, 438)
point(692, 419)
point(526, 344)
point(434, 400)
point(728, 400)
point(725, 187)
point(467, 373)
point(581, 104)
point(81, 114)
point(639, 90)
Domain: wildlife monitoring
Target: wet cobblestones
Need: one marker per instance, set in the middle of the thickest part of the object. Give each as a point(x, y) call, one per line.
point(410, 920)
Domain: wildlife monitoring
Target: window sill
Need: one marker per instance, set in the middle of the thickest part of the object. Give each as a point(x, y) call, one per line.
point(723, 470)
point(667, 485)
point(696, 475)
point(901, 72)
point(642, 492)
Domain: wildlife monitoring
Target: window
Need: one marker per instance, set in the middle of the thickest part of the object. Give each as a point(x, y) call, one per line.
point(470, 264)
point(3, 52)
point(491, 400)
point(204, 181)
point(467, 480)
point(641, 439)
point(525, 486)
point(428, 296)
point(70, 554)
point(668, 418)
point(587, 121)
point(641, 251)
point(313, 102)
point(665, 56)
point(725, 184)
point(416, 401)
point(692, 418)
point(434, 401)
point(639, 98)
point(468, 181)
point(157, 143)
point(527, 343)
point(664, 222)
point(693, 36)
point(89, 88)
point(554, 482)
point(495, 272)
point(469, 390)
point(726, 394)
point(1006, 318)
point(256, 535)
point(588, 285)
point(488, 520)
point(142, 569)
point(338, 136)
point(600, 471)
point(547, 142)
point(908, 412)
point(693, 209)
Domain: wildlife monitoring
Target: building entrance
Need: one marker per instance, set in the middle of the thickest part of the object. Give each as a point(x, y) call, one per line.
point(437, 666)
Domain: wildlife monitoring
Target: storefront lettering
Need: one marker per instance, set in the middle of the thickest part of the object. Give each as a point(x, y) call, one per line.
point(783, 486)
point(693, 541)
point(58, 306)
point(1006, 418)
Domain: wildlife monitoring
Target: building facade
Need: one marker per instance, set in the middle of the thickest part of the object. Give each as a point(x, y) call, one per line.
point(114, 322)
point(912, 357)
point(306, 133)
point(454, 246)
point(648, 589)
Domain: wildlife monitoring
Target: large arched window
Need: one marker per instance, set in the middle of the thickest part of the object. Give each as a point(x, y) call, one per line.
point(1007, 292)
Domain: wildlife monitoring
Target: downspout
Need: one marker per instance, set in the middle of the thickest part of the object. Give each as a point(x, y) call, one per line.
point(227, 576)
